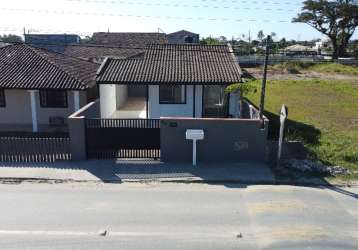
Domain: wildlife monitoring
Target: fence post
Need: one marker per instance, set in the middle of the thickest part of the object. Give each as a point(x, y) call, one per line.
point(77, 131)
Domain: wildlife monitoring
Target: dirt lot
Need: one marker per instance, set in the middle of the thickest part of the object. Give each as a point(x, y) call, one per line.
point(306, 75)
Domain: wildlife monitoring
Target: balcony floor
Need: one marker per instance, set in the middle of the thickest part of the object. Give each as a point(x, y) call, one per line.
point(133, 108)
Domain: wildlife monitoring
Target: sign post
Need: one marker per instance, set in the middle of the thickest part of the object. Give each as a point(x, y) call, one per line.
point(283, 117)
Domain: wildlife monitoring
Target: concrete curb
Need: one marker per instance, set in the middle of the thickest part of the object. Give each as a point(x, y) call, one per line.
point(15, 180)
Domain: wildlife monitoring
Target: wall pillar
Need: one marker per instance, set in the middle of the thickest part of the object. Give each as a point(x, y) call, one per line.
point(33, 110)
point(77, 131)
point(76, 100)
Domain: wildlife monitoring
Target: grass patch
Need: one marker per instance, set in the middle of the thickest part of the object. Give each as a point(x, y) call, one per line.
point(323, 115)
point(299, 67)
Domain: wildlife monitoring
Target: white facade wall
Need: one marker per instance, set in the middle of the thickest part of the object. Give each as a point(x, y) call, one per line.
point(112, 98)
point(107, 93)
point(121, 95)
point(157, 110)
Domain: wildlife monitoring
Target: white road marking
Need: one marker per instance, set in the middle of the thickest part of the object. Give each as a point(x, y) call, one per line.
point(121, 234)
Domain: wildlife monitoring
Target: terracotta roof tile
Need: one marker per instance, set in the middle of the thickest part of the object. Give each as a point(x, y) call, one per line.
point(128, 38)
point(91, 51)
point(26, 67)
point(174, 64)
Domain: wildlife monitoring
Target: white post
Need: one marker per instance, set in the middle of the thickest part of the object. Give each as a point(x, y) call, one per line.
point(194, 153)
point(33, 110)
point(76, 100)
point(283, 117)
point(194, 135)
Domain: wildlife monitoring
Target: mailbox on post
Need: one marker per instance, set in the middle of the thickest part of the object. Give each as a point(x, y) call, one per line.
point(194, 135)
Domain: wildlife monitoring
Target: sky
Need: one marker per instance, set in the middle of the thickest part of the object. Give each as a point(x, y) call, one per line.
point(229, 18)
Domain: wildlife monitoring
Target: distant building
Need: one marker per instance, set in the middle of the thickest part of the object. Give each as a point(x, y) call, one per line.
point(128, 39)
point(141, 39)
point(183, 36)
point(54, 42)
point(298, 49)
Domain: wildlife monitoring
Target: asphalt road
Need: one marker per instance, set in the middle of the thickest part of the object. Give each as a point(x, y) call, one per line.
point(176, 216)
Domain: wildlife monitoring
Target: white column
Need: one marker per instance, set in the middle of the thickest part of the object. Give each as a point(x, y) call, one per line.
point(33, 110)
point(76, 100)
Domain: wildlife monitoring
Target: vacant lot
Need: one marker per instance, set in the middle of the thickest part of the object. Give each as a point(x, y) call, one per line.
point(322, 113)
point(305, 71)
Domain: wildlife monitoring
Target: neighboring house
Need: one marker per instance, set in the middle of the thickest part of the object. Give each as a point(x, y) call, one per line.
point(54, 42)
point(183, 36)
point(128, 39)
point(298, 49)
point(97, 53)
point(39, 88)
point(171, 81)
point(124, 44)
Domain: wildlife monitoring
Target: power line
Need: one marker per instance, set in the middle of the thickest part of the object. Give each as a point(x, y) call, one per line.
point(141, 16)
point(77, 32)
point(204, 1)
point(183, 5)
point(253, 2)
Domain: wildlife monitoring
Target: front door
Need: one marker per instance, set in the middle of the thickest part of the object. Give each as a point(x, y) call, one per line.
point(215, 102)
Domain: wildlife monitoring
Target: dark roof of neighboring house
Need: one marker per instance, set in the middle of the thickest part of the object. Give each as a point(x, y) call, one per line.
point(183, 32)
point(26, 67)
point(174, 64)
point(128, 39)
point(89, 51)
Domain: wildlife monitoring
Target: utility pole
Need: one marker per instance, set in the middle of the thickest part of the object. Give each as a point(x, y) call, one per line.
point(249, 42)
point(263, 87)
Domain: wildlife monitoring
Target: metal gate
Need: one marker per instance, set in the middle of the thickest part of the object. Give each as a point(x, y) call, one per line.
point(123, 138)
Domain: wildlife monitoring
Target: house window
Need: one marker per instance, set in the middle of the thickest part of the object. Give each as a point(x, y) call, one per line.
point(53, 99)
point(189, 39)
point(172, 94)
point(2, 98)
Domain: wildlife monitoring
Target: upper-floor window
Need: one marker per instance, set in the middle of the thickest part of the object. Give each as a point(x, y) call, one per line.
point(189, 39)
point(172, 94)
point(53, 99)
point(2, 98)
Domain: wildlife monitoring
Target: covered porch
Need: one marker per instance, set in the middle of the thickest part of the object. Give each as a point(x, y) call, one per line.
point(133, 108)
point(124, 101)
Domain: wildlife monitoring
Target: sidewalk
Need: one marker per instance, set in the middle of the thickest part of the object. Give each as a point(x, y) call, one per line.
point(130, 171)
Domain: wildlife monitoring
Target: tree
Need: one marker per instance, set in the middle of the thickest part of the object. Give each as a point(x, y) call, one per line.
point(223, 39)
point(282, 43)
point(10, 38)
point(336, 19)
point(260, 35)
point(210, 41)
point(87, 39)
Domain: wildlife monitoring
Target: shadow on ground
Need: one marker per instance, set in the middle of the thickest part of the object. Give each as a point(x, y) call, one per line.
point(118, 171)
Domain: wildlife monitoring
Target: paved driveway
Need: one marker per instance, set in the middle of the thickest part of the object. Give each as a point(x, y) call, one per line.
point(177, 216)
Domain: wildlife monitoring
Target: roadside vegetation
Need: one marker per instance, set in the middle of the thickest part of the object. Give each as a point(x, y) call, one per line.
point(323, 114)
point(295, 67)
